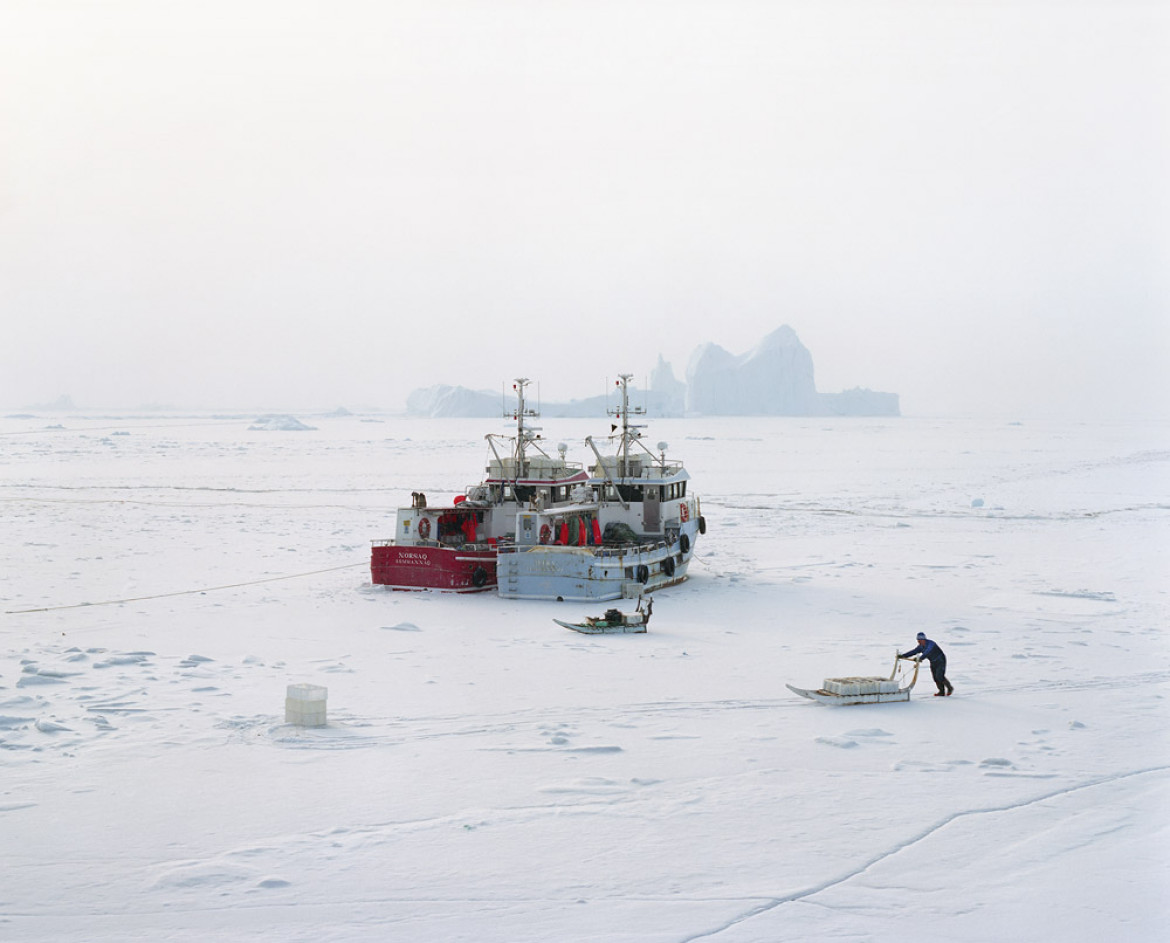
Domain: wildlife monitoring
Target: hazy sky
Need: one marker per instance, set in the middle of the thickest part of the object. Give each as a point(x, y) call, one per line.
point(311, 204)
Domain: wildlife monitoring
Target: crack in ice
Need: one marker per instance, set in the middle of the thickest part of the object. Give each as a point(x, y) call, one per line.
point(771, 904)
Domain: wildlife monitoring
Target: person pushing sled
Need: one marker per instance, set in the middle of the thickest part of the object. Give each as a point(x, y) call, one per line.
point(896, 687)
point(938, 663)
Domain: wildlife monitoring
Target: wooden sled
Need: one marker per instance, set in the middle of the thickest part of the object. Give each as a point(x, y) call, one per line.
point(614, 622)
point(869, 690)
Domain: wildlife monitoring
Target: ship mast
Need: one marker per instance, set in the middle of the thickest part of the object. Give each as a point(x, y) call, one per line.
point(524, 434)
point(629, 434)
point(629, 431)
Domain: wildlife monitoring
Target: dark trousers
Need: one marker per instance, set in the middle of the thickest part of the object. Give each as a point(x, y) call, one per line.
point(938, 671)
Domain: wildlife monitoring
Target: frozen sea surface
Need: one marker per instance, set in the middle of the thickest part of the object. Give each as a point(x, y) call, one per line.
point(489, 776)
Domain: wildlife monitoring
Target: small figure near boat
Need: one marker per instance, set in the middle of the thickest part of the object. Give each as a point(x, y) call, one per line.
point(614, 622)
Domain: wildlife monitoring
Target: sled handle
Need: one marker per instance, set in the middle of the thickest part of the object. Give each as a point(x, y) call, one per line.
point(913, 677)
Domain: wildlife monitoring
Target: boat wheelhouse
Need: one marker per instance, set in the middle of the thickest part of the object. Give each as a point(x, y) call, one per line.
point(454, 547)
point(634, 532)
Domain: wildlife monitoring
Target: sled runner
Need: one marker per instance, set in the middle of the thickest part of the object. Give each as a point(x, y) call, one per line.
point(614, 622)
point(862, 690)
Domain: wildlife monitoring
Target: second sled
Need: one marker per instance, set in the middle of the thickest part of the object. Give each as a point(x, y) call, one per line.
point(614, 622)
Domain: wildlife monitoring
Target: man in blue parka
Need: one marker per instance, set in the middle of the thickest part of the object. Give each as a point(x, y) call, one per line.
point(938, 662)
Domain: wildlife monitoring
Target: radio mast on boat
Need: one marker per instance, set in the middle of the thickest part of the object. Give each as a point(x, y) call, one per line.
point(525, 434)
point(629, 431)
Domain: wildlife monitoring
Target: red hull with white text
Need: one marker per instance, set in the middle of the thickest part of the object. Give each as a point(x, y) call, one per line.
point(452, 547)
point(441, 568)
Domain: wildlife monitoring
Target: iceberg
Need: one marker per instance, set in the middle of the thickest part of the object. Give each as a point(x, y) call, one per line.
point(775, 378)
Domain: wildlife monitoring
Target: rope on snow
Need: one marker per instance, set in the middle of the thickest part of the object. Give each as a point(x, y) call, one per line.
point(183, 592)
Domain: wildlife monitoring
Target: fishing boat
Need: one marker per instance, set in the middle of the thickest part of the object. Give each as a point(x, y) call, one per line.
point(454, 547)
point(633, 531)
point(614, 621)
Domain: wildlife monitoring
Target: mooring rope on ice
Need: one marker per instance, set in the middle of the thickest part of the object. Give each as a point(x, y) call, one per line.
point(182, 592)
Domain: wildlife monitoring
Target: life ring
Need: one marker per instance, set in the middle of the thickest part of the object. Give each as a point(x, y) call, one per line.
point(684, 543)
point(424, 528)
point(479, 576)
point(702, 524)
point(684, 512)
point(668, 566)
point(545, 533)
point(643, 573)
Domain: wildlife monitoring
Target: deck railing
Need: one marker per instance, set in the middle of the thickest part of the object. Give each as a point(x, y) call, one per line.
point(616, 550)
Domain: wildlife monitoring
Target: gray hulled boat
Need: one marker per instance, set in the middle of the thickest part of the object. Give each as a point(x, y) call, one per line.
point(633, 531)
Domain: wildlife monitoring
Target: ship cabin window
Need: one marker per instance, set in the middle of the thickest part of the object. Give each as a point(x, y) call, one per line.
point(524, 493)
point(622, 492)
point(674, 491)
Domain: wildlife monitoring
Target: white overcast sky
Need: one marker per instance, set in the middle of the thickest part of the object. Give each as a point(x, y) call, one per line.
point(311, 204)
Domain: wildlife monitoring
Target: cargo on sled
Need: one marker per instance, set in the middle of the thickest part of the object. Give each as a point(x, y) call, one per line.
point(614, 622)
point(869, 690)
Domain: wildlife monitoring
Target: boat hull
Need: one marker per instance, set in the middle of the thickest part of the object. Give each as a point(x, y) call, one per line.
point(444, 569)
point(589, 574)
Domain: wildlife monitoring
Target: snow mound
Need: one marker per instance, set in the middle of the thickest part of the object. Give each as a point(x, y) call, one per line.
point(277, 423)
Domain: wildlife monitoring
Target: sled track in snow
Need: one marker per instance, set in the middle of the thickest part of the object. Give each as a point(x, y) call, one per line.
point(1086, 684)
point(907, 514)
point(386, 731)
point(772, 904)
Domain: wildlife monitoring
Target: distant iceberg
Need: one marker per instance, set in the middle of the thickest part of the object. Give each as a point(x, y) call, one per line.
point(454, 401)
point(775, 378)
point(445, 402)
point(670, 393)
point(62, 404)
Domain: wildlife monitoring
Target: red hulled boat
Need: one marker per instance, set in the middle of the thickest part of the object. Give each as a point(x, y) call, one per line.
point(453, 547)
